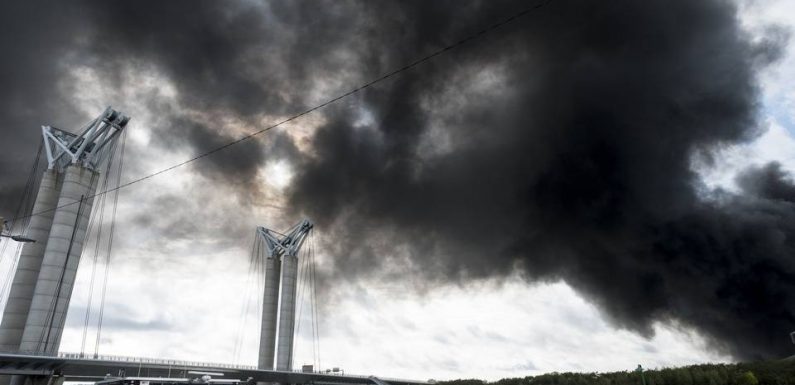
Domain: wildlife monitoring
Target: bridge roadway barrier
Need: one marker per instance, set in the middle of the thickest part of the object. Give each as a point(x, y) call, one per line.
point(74, 367)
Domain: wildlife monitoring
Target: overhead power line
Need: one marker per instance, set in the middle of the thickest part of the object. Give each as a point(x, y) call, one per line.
point(386, 76)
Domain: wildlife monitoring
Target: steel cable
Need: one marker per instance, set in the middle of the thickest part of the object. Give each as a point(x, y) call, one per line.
point(110, 243)
point(98, 235)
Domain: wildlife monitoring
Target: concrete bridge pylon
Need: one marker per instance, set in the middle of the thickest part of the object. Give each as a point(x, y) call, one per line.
point(279, 297)
point(39, 295)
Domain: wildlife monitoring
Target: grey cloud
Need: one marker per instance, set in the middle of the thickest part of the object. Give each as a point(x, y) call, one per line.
point(119, 318)
point(526, 366)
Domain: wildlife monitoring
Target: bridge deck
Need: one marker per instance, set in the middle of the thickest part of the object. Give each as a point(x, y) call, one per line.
point(75, 368)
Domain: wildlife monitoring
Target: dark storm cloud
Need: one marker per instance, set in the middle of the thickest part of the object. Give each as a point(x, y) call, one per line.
point(29, 74)
point(768, 182)
point(560, 144)
point(225, 60)
point(578, 168)
point(243, 60)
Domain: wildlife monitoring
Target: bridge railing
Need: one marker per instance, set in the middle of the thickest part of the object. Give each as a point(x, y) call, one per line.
point(143, 360)
point(184, 364)
point(156, 361)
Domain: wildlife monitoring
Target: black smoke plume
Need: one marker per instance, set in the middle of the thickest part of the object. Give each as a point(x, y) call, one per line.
point(560, 145)
point(573, 161)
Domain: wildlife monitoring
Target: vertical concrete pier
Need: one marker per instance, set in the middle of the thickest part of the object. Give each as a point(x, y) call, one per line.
point(282, 252)
point(53, 290)
point(284, 358)
point(270, 311)
point(20, 295)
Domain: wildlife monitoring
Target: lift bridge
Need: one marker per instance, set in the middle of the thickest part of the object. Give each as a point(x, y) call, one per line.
point(39, 294)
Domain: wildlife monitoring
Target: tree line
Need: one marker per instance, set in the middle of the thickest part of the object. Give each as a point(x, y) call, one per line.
point(779, 372)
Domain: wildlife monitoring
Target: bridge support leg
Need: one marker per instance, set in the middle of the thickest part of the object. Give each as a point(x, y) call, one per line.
point(16, 311)
point(56, 278)
point(270, 311)
point(15, 379)
point(50, 380)
point(284, 353)
point(36, 380)
point(20, 379)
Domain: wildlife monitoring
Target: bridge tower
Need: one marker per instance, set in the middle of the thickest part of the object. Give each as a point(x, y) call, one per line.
point(39, 297)
point(281, 282)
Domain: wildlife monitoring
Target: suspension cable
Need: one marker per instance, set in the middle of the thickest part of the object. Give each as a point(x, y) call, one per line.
point(253, 269)
point(26, 203)
point(315, 317)
point(238, 331)
point(27, 192)
point(100, 223)
point(110, 242)
point(302, 283)
point(98, 236)
point(261, 282)
point(55, 299)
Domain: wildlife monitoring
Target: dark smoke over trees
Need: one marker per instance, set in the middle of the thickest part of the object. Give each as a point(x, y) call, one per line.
point(573, 161)
point(560, 146)
point(779, 372)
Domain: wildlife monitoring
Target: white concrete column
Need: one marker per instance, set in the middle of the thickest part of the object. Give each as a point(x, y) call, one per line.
point(15, 314)
point(284, 354)
point(270, 310)
point(54, 287)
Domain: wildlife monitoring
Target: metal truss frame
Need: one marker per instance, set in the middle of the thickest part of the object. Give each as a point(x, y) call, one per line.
point(90, 148)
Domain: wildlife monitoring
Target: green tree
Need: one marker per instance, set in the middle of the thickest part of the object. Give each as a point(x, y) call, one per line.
point(747, 378)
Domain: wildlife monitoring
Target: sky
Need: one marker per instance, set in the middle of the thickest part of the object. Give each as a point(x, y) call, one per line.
point(588, 188)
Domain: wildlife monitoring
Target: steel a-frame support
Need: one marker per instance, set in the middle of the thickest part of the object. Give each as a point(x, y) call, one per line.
point(90, 148)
